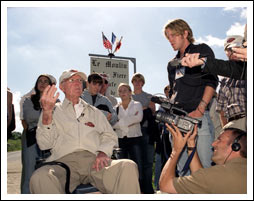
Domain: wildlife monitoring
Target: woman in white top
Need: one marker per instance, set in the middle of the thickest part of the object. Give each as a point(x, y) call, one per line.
point(130, 114)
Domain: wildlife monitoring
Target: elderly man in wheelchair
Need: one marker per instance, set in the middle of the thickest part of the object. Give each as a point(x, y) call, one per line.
point(81, 142)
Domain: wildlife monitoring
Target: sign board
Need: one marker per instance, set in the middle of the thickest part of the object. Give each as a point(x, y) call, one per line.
point(118, 71)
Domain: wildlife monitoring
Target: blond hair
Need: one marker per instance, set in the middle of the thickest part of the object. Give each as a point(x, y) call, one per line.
point(125, 85)
point(178, 26)
point(138, 76)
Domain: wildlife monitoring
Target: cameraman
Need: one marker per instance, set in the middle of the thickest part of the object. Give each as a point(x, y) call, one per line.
point(228, 176)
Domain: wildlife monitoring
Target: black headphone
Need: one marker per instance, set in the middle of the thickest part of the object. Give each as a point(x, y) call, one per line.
point(236, 145)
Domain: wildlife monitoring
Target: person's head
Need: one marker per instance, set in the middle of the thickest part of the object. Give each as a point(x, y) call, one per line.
point(229, 43)
point(94, 83)
point(179, 33)
point(124, 91)
point(71, 83)
point(105, 83)
point(231, 143)
point(166, 91)
point(41, 83)
point(138, 81)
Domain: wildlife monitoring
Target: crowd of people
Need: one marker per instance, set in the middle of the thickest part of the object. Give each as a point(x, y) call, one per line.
point(83, 130)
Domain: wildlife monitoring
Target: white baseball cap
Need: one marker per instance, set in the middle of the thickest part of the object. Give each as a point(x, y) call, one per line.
point(233, 41)
point(70, 72)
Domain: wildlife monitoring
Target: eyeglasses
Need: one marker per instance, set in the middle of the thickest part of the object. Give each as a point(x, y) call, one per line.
point(74, 80)
point(43, 81)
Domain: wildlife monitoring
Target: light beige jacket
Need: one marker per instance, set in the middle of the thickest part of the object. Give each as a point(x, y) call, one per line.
point(67, 134)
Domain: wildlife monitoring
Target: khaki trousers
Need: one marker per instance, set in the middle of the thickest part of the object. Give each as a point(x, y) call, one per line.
point(120, 177)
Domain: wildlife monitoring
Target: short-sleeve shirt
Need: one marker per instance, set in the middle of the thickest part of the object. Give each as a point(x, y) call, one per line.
point(232, 97)
point(144, 98)
point(30, 115)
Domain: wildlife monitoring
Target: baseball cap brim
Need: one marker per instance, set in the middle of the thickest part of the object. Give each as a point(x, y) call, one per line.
point(69, 73)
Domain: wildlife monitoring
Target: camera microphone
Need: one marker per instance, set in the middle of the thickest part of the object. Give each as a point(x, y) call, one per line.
point(159, 100)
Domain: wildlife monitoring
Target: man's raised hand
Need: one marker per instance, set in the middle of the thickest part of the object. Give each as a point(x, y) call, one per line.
point(48, 101)
point(48, 98)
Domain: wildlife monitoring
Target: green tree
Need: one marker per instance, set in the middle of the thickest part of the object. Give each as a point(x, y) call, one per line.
point(14, 143)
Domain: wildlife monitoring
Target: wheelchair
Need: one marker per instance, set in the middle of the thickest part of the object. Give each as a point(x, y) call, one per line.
point(82, 188)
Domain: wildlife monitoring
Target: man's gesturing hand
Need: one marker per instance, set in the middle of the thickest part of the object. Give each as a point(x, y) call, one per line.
point(48, 101)
point(48, 98)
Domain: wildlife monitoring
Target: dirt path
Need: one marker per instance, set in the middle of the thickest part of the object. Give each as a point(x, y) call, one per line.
point(13, 172)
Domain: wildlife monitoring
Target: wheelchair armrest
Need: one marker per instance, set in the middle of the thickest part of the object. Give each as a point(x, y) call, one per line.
point(117, 153)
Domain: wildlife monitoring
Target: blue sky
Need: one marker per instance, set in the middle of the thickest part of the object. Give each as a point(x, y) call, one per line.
point(39, 37)
point(52, 39)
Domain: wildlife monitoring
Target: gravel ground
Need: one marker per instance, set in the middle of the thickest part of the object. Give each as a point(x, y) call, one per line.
point(13, 174)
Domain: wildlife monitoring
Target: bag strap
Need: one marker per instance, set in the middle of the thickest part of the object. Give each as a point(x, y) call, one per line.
point(68, 173)
point(187, 164)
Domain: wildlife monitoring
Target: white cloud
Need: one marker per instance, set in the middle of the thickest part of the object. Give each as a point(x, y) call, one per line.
point(230, 9)
point(236, 29)
point(211, 41)
point(244, 14)
point(241, 10)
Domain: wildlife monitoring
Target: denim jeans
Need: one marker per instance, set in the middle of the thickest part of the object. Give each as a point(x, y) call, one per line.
point(157, 171)
point(204, 145)
point(148, 156)
point(29, 155)
point(131, 149)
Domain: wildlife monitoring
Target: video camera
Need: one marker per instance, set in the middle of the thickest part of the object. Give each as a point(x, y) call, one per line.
point(174, 115)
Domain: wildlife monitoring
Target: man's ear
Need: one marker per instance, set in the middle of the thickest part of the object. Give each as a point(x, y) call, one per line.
point(185, 35)
point(61, 86)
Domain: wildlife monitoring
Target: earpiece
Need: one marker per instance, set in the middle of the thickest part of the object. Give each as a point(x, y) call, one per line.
point(236, 145)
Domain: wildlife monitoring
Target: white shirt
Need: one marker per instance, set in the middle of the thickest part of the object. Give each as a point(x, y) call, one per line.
point(78, 108)
point(129, 120)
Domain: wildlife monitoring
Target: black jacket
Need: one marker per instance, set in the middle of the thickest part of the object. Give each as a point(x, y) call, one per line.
point(232, 69)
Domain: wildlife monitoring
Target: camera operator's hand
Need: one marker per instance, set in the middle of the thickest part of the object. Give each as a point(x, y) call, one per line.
point(191, 140)
point(179, 141)
point(240, 53)
point(192, 60)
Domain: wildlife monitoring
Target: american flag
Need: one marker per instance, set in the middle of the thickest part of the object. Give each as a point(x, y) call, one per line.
point(106, 42)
